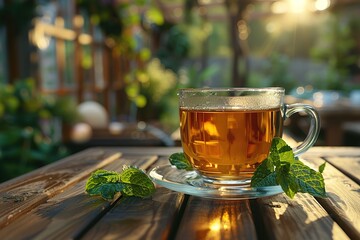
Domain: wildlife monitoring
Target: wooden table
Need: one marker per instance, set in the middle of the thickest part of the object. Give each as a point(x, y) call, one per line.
point(50, 203)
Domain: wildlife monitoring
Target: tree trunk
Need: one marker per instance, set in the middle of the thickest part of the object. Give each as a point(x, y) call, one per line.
point(239, 65)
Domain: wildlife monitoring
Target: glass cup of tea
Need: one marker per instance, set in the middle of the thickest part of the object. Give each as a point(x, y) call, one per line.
point(227, 132)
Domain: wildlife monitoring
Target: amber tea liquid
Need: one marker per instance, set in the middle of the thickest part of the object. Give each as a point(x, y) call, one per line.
point(228, 144)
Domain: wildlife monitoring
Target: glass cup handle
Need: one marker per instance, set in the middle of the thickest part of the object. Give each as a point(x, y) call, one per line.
point(314, 125)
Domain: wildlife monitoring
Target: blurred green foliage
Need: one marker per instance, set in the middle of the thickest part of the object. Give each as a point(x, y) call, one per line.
point(326, 46)
point(30, 127)
point(173, 48)
point(274, 73)
point(336, 48)
point(118, 20)
point(126, 24)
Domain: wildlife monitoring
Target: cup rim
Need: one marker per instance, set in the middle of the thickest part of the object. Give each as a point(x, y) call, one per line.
point(232, 89)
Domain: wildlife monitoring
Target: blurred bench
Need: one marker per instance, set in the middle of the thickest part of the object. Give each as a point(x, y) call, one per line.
point(132, 134)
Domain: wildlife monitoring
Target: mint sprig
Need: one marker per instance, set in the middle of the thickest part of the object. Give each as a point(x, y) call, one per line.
point(180, 161)
point(282, 168)
point(130, 182)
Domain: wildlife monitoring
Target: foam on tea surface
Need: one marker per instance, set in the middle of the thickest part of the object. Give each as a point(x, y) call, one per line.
point(213, 102)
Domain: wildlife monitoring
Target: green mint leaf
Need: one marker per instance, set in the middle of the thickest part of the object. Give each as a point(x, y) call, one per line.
point(308, 180)
point(104, 183)
point(263, 176)
point(286, 180)
point(283, 168)
point(131, 182)
point(180, 161)
point(280, 151)
point(136, 183)
point(322, 167)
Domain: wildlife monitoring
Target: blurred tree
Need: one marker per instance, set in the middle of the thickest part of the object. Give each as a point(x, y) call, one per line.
point(18, 14)
point(238, 36)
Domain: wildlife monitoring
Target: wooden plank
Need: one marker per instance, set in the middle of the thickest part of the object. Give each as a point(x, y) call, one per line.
point(135, 218)
point(217, 219)
point(164, 151)
point(332, 151)
point(343, 197)
point(350, 166)
point(22, 194)
point(298, 218)
point(68, 214)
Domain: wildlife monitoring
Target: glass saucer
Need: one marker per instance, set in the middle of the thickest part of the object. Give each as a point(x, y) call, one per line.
point(190, 182)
